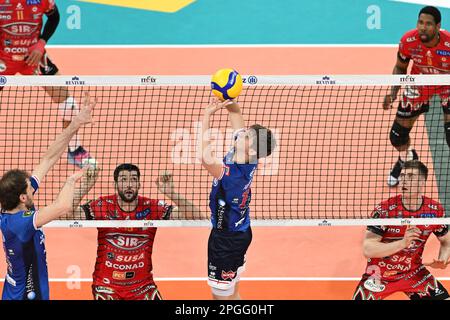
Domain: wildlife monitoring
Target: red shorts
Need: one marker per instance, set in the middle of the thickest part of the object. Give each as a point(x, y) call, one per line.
point(10, 68)
point(416, 100)
point(417, 285)
point(144, 292)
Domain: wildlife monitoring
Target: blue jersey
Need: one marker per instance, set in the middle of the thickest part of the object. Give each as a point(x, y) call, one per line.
point(230, 196)
point(27, 276)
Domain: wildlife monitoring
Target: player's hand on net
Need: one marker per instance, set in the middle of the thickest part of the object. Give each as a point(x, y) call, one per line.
point(437, 264)
point(85, 114)
point(411, 234)
point(165, 183)
point(388, 101)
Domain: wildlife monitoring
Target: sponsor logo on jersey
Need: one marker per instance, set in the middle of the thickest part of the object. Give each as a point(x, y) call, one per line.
point(104, 290)
point(228, 275)
point(20, 29)
point(5, 17)
point(389, 273)
point(33, 2)
point(142, 214)
point(432, 206)
point(2, 69)
point(123, 267)
point(443, 53)
point(123, 275)
point(127, 242)
point(131, 258)
point(427, 215)
point(374, 285)
point(10, 280)
point(27, 214)
point(110, 255)
point(411, 39)
point(394, 230)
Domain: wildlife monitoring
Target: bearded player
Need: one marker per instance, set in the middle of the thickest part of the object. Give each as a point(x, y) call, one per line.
point(429, 48)
point(394, 253)
point(22, 51)
point(123, 269)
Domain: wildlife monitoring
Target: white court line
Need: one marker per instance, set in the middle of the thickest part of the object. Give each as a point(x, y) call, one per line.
point(209, 46)
point(243, 279)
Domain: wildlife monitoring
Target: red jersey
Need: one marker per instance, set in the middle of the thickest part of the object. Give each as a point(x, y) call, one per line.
point(404, 262)
point(426, 60)
point(124, 255)
point(21, 24)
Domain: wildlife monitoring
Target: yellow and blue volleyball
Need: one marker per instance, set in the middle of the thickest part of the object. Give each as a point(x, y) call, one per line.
point(226, 84)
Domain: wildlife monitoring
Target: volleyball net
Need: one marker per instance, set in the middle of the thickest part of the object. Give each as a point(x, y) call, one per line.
point(330, 166)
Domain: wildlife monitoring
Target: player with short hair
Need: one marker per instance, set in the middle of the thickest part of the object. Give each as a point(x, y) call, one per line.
point(123, 268)
point(21, 222)
point(230, 197)
point(22, 50)
point(428, 46)
point(394, 253)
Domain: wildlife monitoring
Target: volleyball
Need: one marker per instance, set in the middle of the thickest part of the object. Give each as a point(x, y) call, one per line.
point(226, 84)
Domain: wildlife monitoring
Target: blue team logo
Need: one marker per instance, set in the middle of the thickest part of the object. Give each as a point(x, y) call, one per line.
point(443, 53)
point(427, 215)
point(3, 79)
point(33, 2)
point(142, 214)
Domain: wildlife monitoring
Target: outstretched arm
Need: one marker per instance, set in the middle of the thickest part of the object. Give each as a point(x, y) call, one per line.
point(185, 209)
point(63, 202)
point(235, 115)
point(86, 184)
point(57, 147)
point(209, 161)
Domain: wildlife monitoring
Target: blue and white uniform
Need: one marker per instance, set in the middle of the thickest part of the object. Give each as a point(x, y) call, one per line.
point(231, 234)
point(23, 243)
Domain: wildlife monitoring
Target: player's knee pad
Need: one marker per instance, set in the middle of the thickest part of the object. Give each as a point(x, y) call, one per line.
point(399, 135)
point(447, 132)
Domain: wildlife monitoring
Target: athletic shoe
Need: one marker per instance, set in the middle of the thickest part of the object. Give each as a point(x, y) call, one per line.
point(76, 157)
point(394, 175)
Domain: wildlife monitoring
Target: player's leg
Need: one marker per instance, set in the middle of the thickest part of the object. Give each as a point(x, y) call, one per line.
point(226, 262)
point(370, 288)
point(104, 293)
point(144, 292)
point(68, 108)
point(424, 286)
point(413, 103)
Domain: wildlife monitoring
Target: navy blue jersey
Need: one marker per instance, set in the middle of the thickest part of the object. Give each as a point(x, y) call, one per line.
point(230, 196)
point(27, 276)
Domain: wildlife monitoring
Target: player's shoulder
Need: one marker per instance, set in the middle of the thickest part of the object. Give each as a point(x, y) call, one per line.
point(105, 200)
point(410, 36)
point(146, 201)
point(430, 204)
point(387, 207)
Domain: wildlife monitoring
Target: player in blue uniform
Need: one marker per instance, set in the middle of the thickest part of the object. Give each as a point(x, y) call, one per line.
point(21, 222)
point(230, 197)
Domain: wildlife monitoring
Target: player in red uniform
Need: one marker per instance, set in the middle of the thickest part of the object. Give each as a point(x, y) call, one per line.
point(429, 48)
point(394, 253)
point(22, 50)
point(123, 269)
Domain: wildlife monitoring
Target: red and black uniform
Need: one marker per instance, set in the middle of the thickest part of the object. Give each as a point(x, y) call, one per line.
point(435, 60)
point(123, 269)
point(20, 29)
point(402, 271)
